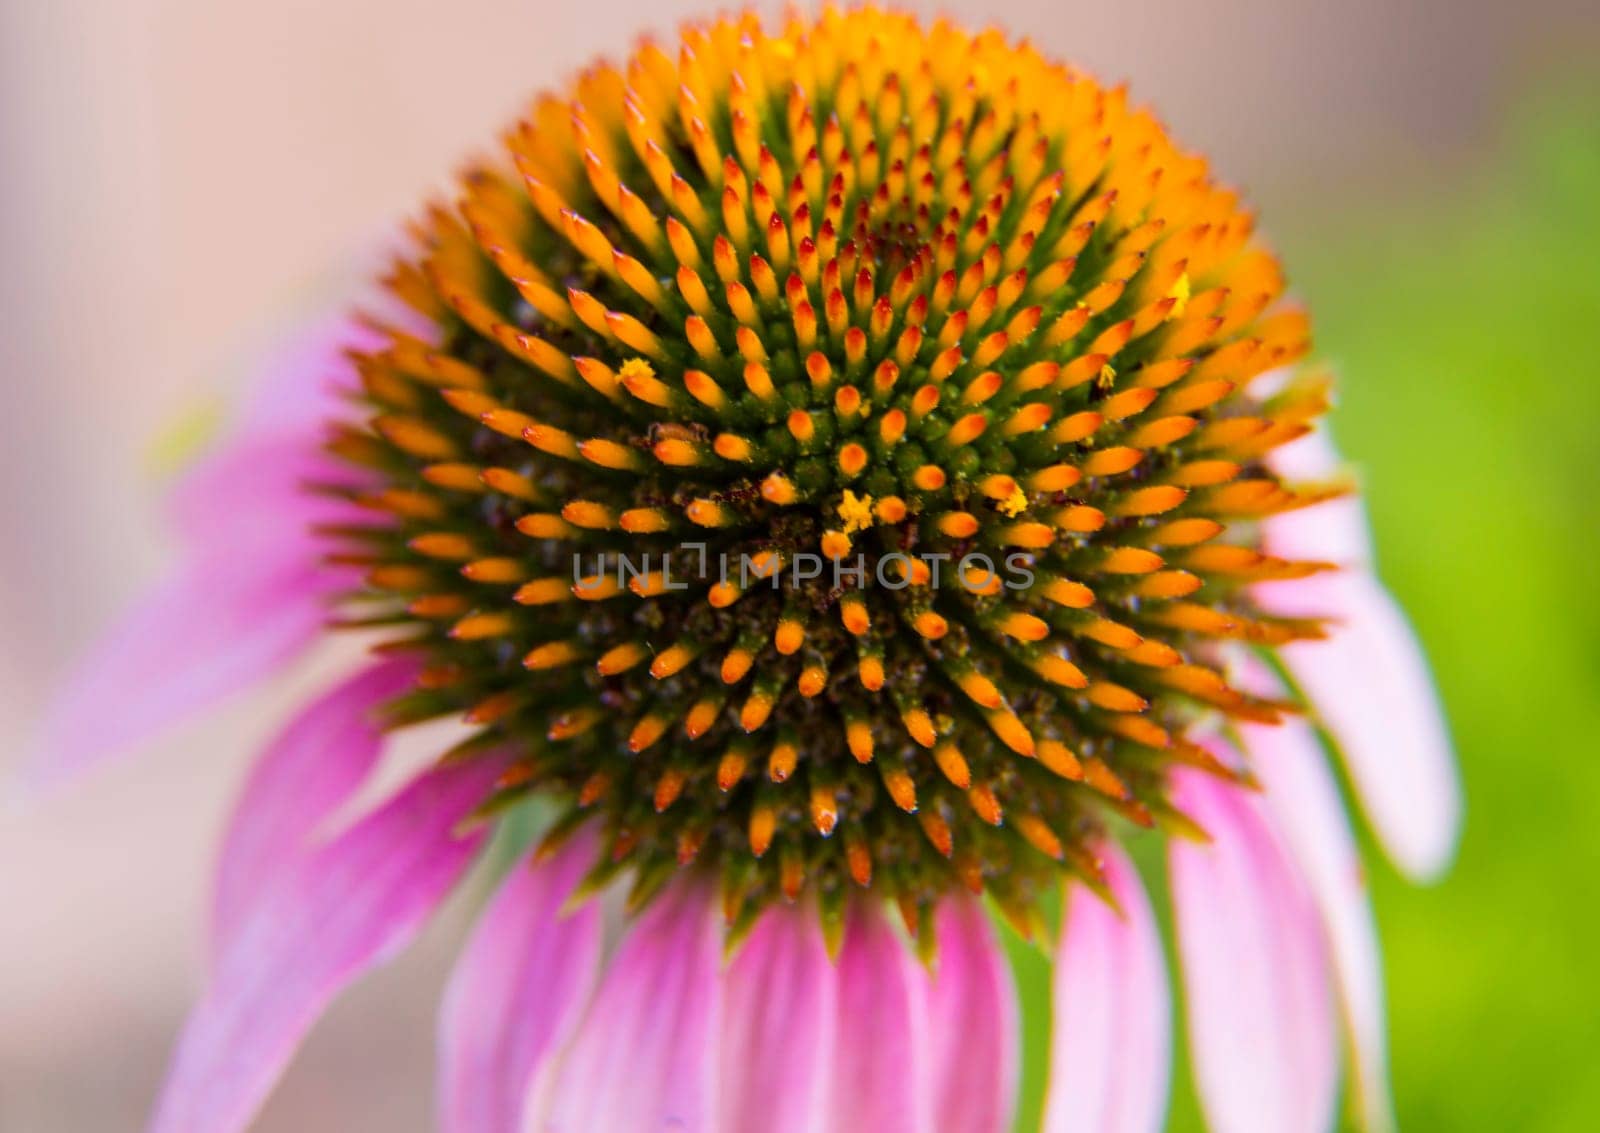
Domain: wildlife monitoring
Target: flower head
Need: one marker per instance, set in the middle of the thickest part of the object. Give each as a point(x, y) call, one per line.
point(848, 467)
point(892, 390)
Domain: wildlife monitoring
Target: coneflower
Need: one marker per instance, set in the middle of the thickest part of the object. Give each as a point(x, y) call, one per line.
point(842, 476)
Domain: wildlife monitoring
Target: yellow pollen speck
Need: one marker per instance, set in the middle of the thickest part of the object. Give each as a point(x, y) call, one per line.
point(183, 439)
point(1015, 503)
point(1108, 376)
point(856, 512)
point(636, 368)
point(1180, 295)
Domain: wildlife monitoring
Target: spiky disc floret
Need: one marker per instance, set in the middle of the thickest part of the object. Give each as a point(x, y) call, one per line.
point(856, 289)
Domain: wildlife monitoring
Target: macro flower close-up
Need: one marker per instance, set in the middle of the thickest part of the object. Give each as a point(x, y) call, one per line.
point(830, 503)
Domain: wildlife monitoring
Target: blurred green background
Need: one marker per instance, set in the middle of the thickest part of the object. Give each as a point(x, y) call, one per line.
point(1464, 326)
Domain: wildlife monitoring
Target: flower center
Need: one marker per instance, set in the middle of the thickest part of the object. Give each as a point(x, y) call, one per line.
point(837, 461)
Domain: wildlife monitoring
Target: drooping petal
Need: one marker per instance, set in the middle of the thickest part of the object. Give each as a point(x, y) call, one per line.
point(247, 597)
point(262, 495)
point(1111, 1049)
point(972, 1023)
point(778, 1029)
point(517, 993)
point(1261, 1023)
point(1335, 530)
point(306, 379)
point(646, 1055)
point(1304, 799)
point(346, 908)
point(307, 772)
point(882, 1061)
point(215, 627)
point(1369, 683)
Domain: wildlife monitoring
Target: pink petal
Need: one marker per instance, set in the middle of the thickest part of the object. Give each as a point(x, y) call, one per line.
point(305, 381)
point(882, 1061)
point(348, 907)
point(1255, 973)
point(1369, 683)
point(249, 597)
point(779, 1017)
point(1335, 530)
point(972, 1021)
point(646, 1055)
point(517, 993)
point(1111, 1050)
point(306, 773)
point(217, 626)
point(263, 493)
point(303, 384)
point(1303, 798)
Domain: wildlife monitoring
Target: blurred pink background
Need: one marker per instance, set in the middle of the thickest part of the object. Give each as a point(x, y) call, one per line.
point(184, 178)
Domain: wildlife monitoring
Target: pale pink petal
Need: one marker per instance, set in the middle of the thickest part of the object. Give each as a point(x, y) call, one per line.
point(1262, 1028)
point(353, 904)
point(1369, 683)
point(264, 494)
point(300, 386)
point(1111, 1044)
point(882, 1061)
point(248, 596)
point(972, 1023)
point(517, 993)
point(217, 626)
point(1333, 531)
point(645, 1057)
point(1304, 799)
point(308, 378)
point(306, 773)
point(779, 1016)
